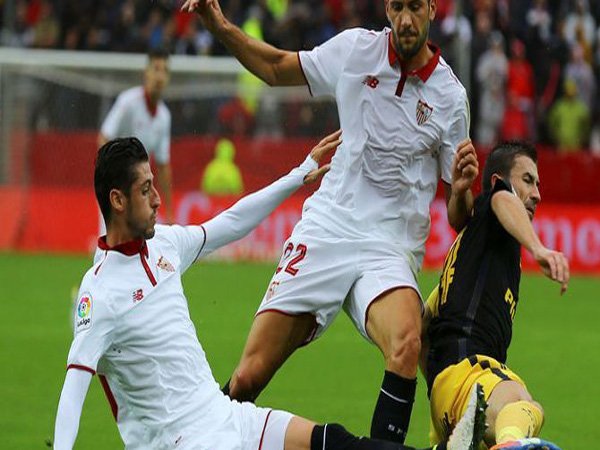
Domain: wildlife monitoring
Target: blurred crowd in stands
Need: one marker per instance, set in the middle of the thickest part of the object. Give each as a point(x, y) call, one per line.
point(531, 66)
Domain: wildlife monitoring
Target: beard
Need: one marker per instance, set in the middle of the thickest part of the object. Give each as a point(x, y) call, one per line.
point(406, 52)
point(140, 229)
point(149, 232)
point(530, 208)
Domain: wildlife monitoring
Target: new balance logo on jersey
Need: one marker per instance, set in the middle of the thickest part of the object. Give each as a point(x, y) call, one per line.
point(371, 81)
point(137, 296)
point(165, 265)
point(424, 112)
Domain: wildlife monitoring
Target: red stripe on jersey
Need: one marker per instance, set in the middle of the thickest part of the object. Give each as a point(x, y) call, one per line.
point(127, 248)
point(151, 106)
point(109, 396)
point(100, 265)
point(80, 367)
point(303, 74)
point(203, 243)
point(277, 311)
point(401, 83)
point(423, 72)
point(262, 436)
point(147, 269)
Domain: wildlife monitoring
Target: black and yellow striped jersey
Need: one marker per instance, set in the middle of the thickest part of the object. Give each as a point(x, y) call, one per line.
point(478, 292)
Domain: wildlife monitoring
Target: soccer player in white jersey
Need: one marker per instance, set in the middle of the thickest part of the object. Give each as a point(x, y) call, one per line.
point(141, 112)
point(360, 243)
point(133, 328)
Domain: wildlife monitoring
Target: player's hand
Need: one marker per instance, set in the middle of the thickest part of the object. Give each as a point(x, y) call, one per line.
point(194, 6)
point(465, 167)
point(555, 266)
point(209, 11)
point(327, 145)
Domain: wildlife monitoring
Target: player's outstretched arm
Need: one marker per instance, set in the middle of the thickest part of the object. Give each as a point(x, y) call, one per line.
point(512, 215)
point(459, 199)
point(247, 213)
point(70, 405)
point(274, 66)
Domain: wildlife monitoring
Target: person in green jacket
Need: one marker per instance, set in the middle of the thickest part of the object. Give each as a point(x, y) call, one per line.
point(569, 120)
point(222, 176)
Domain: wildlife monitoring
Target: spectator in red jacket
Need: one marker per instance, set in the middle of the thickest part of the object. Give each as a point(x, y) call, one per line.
point(520, 91)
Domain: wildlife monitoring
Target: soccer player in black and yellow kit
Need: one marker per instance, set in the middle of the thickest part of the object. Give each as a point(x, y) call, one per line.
point(468, 317)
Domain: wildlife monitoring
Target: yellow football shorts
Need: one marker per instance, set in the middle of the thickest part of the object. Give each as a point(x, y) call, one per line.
point(452, 386)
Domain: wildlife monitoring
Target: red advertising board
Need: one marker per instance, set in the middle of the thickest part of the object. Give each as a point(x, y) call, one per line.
point(66, 159)
point(66, 220)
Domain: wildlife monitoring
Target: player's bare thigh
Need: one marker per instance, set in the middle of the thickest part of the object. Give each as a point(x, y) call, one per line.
point(394, 325)
point(273, 337)
point(298, 434)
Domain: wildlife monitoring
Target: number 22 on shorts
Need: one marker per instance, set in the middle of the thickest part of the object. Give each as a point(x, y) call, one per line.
point(299, 254)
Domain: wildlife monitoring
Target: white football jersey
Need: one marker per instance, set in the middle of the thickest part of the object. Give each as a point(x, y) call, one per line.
point(400, 133)
point(136, 333)
point(133, 327)
point(132, 115)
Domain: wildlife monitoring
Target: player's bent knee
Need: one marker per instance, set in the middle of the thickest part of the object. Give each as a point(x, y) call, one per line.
point(507, 392)
point(404, 352)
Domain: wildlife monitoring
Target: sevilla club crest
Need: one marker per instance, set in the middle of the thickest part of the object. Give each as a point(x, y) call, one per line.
point(165, 265)
point(424, 112)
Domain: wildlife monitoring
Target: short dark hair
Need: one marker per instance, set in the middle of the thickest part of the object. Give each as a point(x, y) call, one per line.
point(114, 169)
point(501, 160)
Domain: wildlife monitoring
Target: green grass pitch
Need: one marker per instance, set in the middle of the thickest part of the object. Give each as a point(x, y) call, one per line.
point(556, 349)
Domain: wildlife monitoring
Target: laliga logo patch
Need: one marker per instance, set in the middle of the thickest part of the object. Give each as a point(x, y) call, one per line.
point(424, 112)
point(83, 320)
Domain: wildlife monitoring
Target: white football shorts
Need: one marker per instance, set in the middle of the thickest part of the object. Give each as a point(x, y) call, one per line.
point(320, 275)
point(239, 426)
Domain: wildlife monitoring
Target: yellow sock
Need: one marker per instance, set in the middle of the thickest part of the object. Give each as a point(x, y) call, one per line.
point(518, 420)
